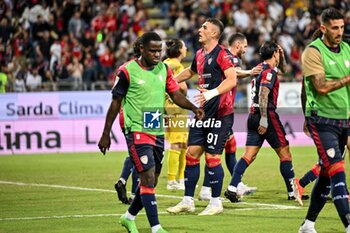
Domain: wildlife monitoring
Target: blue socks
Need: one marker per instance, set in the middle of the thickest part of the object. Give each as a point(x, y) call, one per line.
point(238, 172)
point(340, 196)
point(319, 196)
point(192, 173)
point(127, 168)
point(216, 176)
point(286, 169)
point(148, 199)
point(230, 159)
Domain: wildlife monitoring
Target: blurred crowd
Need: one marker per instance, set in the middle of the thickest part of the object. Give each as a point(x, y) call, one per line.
point(48, 45)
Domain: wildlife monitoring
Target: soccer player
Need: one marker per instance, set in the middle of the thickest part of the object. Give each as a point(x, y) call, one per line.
point(140, 88)
point(238, 46)
point(216, 73)
point(176, 50)
point(263, 121)
point(326, 71)
point(128, 168)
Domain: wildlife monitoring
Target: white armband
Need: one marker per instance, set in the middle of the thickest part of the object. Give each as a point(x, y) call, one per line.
point(210, 94)
point(263, 122)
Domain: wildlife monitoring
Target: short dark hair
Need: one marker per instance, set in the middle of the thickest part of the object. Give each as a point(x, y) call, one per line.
point(235, 37)
point(173, 48)
point(330, 14)
point(267, 49)
point(217, 23)
point(149, 36)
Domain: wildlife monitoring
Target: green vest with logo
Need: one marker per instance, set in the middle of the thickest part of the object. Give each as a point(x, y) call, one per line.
point(335, 104)
point(143, 104)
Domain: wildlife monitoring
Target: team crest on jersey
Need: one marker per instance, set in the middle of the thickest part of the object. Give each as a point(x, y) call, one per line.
point(210, 60)
point(331, 152)
point(235, 60)
point(160, 78)
point(144, 159)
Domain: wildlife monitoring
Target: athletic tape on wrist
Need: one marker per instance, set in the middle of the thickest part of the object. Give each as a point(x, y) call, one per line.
point(263, 122)
point(210, 94)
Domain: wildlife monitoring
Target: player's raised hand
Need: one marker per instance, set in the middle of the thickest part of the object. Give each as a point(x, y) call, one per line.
point(280, 50)
point(104, 143)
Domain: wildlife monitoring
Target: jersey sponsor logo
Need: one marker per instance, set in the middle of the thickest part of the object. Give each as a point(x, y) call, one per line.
point(331, 152)
point(144, 159)
point(347, 63)
point(141, 82)
point(205, 86)
point(205, 76)
point(331, 62)
point(151, 120)
point(211, 147)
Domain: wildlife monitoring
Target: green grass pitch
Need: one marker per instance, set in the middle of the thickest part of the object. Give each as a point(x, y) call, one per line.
point(66, 193)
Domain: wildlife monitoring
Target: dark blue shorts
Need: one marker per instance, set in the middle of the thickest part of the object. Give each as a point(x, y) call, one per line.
point(330, 138)
point(146, 151)
point(212, 138)
point(275, 134)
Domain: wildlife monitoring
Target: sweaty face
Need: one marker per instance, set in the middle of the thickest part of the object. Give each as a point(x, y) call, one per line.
point(333, 32)
point(151, 53)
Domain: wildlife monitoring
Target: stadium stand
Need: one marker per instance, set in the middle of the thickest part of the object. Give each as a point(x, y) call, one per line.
point(76, 45)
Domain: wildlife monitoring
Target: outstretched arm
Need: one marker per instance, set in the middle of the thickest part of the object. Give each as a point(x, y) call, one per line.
point(184, 75)
point(246, 73)
point(113, 110)
point(324, 86)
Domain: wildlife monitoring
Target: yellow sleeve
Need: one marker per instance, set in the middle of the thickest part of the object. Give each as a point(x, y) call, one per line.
point(311, 62)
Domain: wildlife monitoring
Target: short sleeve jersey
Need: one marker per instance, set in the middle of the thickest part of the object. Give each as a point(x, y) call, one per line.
point(268, 77)
point(210, 69)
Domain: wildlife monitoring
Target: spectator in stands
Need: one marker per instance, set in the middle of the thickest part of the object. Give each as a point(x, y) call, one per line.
point(19, 84)
point(76, 26)
point(107, 61)
point(56, 54)
point(33, 79)
point(76, 70)
point(89, 74)
point(39, 27)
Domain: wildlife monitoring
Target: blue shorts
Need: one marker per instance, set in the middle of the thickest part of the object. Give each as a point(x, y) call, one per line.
point(146, 151)
point(330, 138)
point(212, 138)
point(275, 134)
